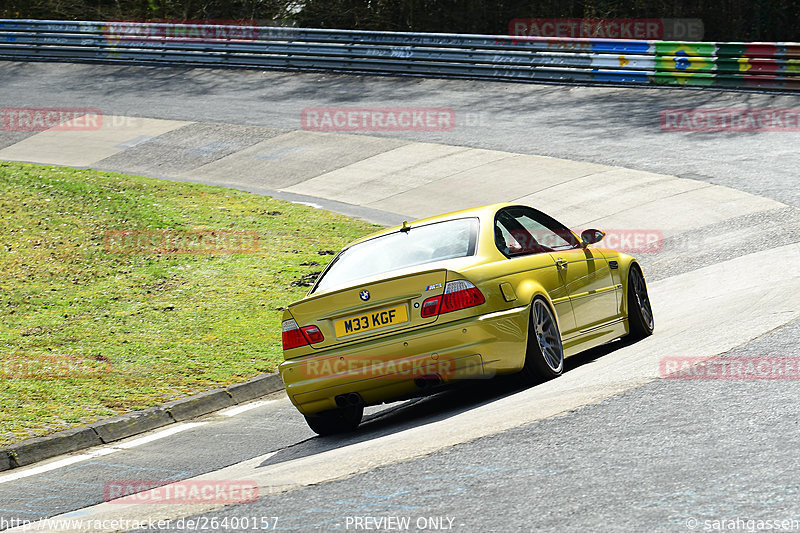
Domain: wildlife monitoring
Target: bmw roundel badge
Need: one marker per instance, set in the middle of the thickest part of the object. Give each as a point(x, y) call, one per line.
point(364, 295)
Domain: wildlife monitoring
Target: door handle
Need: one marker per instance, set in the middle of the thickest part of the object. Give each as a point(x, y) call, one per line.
point(561, 264)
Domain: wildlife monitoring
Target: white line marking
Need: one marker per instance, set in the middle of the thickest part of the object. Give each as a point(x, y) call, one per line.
point(310, 204)
point(239, 409)
point(53, 466)
point(160, 435)
point(100, 452)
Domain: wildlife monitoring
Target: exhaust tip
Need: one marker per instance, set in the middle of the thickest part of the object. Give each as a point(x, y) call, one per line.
point(428, 381)
point(348, 400)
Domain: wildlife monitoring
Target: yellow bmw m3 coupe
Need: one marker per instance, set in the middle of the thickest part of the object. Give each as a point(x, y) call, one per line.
point(473, 294)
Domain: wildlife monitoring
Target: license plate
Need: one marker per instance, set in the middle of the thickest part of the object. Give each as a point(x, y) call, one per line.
point(371, 321)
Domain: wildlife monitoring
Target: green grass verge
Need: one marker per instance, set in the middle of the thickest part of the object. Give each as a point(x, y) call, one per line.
point(94, 322)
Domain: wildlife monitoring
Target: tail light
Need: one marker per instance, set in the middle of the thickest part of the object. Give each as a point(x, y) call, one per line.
point(459, 294)
point(294, 336)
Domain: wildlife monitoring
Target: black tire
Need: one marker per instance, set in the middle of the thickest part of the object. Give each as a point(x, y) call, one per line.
point(335, 421)
point(544, 358)
point(640, 314)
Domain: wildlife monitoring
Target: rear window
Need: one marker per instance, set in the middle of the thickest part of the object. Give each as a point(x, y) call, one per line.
point(401, 249)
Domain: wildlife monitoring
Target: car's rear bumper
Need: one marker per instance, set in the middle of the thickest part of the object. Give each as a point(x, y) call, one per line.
point(385, 369)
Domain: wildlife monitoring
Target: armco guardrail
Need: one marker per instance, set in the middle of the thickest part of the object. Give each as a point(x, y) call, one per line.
point(738, 65)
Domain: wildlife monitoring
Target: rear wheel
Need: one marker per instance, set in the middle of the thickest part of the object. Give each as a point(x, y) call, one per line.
point(640, 314)
point(335, 421)
point(544, 358)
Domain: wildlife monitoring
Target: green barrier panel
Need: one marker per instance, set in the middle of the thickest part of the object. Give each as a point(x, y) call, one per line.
point(678, 48)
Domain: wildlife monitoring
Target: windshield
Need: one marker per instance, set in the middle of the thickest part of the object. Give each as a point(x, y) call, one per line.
point(402, 249)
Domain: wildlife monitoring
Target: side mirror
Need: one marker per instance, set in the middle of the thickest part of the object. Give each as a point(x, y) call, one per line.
point(591, 236)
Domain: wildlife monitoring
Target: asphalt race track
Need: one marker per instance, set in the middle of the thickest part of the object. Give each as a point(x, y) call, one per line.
point(608, 446)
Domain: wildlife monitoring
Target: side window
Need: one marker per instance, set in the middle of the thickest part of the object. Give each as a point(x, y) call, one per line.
point(523, 231)
point(550, 238)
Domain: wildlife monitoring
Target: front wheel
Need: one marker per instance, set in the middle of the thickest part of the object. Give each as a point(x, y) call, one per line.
point(335, 421)
point(544, 358)
point(640, 314)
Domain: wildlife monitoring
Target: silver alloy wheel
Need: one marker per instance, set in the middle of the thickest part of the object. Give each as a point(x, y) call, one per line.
point(642, 299)
point(547, 336)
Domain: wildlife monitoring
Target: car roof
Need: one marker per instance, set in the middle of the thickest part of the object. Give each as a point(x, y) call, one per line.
point(484, 212)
